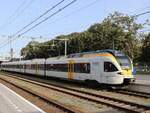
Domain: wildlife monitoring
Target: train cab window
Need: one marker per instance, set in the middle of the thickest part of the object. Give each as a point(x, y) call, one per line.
point(109, 67)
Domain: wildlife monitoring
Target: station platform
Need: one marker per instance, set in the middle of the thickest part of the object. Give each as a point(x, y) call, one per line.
point(11, 102)
point(141, 86)
point(145, 77)
point(142, 82)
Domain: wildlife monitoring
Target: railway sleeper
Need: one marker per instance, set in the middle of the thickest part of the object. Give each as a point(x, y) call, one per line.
point(109, 101)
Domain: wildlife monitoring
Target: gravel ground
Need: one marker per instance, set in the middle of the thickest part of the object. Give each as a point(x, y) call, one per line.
point(119, 96)
point(64, 98)
point(107, 93)
point(111, 94)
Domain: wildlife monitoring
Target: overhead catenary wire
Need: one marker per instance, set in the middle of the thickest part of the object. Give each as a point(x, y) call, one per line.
point(146, 30)
point(58, 11)
point(13, 14)
point(23, 10)
point(76, 11)
point(24, 5)
point(92, 3)
point(48, 17)
point(16, 13)
point(136, 15)
point(140, 9)
point(140, 14)
point(39, 17)
point(82, 8)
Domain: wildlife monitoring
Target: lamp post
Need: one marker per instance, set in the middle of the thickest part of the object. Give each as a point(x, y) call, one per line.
point(11, 49)
point(65, 40)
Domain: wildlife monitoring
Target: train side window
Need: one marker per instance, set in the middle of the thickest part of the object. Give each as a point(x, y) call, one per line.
point(109, 67)
point(41, 66)
point(57, 67)
point(82, 68)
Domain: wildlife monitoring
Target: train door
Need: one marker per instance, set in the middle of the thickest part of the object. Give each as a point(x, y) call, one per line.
point(96, 69)
point(44, 68)
point(36, 66)
point(20, 67)
point(24, 67)
point(109, 71)
point(70, 69)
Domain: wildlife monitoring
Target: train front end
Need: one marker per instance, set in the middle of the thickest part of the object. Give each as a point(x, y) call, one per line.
point(126, 65)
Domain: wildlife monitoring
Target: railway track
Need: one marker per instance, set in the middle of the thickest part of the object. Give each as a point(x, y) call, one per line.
point(120, 91)
point(98, 98)
point(47, 100)
point(134, 93)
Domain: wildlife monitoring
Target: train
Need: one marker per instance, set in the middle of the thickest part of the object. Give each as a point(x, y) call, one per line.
point(110, 67)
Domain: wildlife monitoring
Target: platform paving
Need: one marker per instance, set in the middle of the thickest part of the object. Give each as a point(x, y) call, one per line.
point(10, 102)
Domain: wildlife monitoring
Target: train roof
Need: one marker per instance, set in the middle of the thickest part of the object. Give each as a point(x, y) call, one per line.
point(113, 52)
point(75, 55)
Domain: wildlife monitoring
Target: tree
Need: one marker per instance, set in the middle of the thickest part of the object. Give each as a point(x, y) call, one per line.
point(116, 31)
point(145, 57)
point(30, 51)
point(120, 29)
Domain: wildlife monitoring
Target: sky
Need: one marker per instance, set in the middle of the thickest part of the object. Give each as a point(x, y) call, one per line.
point(15, 14)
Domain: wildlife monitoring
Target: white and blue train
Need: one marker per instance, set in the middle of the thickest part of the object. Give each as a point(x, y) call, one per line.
point(105, 67)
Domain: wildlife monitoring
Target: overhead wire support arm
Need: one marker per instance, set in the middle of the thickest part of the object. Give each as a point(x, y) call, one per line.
point(65, 40)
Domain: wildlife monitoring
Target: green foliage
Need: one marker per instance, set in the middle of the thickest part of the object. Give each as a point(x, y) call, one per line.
point(117, 28)
point(145, 56)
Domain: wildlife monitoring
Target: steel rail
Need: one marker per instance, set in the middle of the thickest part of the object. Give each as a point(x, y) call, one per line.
point(113, 102)
point(46, 99)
